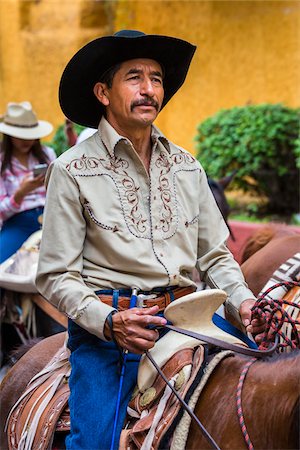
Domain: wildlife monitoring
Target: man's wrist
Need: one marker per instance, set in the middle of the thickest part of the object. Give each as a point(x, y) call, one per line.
point(108, 327)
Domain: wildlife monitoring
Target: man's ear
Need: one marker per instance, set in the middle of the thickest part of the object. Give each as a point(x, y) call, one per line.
point(100, 91)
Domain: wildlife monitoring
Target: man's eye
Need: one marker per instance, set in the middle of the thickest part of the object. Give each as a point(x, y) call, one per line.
point(157, 80)
point(134, 77)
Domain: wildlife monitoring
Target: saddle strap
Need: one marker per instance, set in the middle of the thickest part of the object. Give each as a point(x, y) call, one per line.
point(145, 400)
point(33, 422)
point(156, 408)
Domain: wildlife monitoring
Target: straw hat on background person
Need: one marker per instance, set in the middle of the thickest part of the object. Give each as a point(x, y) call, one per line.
point(21, 121)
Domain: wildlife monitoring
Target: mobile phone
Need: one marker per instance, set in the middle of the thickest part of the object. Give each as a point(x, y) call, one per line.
point(39, 169)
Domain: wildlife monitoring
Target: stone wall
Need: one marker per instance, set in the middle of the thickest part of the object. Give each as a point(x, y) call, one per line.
point(248, 52)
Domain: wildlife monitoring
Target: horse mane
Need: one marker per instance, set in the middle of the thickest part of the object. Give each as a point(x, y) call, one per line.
point(262, 237)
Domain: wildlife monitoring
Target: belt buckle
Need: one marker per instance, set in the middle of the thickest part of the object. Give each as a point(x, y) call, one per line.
point(141, 297)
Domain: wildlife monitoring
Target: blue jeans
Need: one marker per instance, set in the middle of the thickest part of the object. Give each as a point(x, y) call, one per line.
point(16, 230)
point(94, 385)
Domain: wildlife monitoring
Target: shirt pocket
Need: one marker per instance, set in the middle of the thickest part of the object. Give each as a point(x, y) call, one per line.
point(105, 222)
point(101, 203)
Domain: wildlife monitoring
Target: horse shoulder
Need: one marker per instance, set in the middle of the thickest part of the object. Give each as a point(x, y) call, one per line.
point(216, 407)
point(270, 401)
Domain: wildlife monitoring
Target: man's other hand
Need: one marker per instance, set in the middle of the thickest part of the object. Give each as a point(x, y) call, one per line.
point(253, 325)
point(131, 328)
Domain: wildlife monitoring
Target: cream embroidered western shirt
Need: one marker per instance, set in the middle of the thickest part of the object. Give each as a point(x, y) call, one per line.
point(110, 224)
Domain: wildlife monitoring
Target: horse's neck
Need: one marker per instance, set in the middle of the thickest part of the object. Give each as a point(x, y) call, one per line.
point(269, 400)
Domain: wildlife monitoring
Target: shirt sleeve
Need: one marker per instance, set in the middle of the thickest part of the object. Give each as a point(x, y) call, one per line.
point(60, 265)
point(215, 263)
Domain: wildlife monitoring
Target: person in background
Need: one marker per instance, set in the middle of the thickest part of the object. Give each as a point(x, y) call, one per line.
point(22, 191)
point(128, 216)
point(71, 135)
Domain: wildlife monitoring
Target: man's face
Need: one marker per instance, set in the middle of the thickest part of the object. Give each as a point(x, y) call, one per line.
point(136, 95)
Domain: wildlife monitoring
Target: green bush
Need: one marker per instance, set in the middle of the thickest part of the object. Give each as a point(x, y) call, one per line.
point(59, 142)
point(261, 143)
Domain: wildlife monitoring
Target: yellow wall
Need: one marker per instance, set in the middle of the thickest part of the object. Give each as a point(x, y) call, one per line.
point(248, 51)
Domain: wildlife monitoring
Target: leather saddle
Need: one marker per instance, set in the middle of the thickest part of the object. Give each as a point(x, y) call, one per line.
point(43, 408)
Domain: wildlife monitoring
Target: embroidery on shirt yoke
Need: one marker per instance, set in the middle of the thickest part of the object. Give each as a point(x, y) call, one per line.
point(169, 210)
point(134, 218)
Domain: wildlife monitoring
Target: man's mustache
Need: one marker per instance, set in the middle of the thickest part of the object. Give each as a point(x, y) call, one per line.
point(145, 102)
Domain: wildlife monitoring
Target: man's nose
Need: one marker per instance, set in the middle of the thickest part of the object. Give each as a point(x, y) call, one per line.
point(147, 87)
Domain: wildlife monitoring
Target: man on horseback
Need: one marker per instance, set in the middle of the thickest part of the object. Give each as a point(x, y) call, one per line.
point(128, 216)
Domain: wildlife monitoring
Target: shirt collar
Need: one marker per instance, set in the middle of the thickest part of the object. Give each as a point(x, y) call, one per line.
point(111, 138)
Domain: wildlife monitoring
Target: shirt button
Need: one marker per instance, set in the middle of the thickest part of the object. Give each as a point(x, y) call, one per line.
point(154, 198)
point(161, 254)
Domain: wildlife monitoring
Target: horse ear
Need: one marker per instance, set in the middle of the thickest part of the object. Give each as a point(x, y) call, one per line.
point(224, 182)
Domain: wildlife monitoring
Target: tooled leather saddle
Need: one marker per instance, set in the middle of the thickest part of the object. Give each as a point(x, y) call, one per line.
point(40, 413)
point(43, 409)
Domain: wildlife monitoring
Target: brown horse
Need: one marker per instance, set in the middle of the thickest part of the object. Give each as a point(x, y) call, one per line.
point(270, 393)
point(270, 399)
point(263, 236)
point(259, 268)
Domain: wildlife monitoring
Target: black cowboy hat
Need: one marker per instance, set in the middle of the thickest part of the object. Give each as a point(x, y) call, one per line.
point(84, 70)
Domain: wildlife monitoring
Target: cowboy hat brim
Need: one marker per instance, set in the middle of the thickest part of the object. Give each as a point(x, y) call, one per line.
point(84, 70)
point(39, 131)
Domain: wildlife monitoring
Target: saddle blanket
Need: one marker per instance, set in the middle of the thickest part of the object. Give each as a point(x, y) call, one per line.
point(288, 271)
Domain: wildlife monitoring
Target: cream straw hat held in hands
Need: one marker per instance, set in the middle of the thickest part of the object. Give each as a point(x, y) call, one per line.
point(20, 121)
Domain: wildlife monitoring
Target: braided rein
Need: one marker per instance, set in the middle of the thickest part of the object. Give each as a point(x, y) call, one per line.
point(276, 317)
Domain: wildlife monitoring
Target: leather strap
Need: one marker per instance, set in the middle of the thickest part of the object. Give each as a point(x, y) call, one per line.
point(226, 345)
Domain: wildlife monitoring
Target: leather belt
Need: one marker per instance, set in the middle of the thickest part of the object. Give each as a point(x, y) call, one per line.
point(162, 299)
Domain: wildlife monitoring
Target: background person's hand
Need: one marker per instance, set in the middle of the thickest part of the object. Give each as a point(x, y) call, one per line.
point(131, 330)
point(27, 185)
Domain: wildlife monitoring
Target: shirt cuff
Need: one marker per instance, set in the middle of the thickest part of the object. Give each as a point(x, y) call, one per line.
point(93, 318)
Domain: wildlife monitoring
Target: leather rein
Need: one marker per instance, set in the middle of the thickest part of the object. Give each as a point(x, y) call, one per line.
point(217, 343)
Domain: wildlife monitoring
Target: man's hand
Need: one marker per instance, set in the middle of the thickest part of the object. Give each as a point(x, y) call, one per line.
point(131, 331)
point(253, 325)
